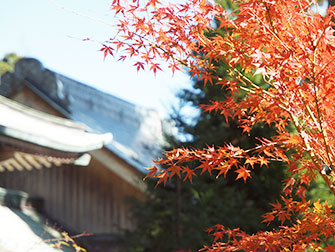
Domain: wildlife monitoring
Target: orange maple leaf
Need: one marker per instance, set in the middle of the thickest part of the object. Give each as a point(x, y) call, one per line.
point(174, 169)
point(153, 170)
point(268, 217)
point(263, 161)
point(243, 173)
point(189, 174)
point(251, 161)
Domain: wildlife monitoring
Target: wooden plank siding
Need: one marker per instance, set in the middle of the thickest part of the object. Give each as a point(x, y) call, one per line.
point(84, 199)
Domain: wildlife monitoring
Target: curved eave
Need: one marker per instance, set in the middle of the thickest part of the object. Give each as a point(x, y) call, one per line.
point(93, 142)
point(23, 123)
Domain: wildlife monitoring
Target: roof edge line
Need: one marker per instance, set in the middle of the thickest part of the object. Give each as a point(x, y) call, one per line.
point(47, 99)
point(49, 143)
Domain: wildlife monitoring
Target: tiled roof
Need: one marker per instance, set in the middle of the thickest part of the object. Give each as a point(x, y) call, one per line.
point(137, 132)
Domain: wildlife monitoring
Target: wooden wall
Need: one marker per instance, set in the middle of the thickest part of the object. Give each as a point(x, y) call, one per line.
point(84, 199)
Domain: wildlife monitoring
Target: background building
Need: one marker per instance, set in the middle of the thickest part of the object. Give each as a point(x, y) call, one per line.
point(56, 144)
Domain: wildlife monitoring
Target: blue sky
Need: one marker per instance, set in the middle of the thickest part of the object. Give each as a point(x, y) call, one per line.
point(44, 30)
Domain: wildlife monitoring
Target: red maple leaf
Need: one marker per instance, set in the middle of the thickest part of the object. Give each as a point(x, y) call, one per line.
point(243, 173)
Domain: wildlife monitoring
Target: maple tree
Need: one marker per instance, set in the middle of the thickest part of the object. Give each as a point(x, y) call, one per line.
point(178, 213)
point(292, 47)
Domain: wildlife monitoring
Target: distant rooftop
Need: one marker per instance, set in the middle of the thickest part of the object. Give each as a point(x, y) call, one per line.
point(137, 131)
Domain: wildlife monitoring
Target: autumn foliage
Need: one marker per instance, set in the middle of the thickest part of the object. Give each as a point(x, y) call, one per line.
point(292, 47)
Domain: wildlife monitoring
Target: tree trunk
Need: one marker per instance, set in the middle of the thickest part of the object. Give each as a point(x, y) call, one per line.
point(178, 219)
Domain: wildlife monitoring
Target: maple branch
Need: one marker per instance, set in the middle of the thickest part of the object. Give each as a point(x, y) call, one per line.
point(152, 43)
point(270, 18)
point(306, 23)
point(309, 111)
point(295, 121)
point(246, 80)
point(247, 90)
point(321, 129)
point(273, 33)
point(317, 163)
point(316, 99)
point(81, 14)
point(325, 66)
point(293, 30)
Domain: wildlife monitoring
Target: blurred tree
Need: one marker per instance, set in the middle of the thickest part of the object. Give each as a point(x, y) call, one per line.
point(8, 62)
